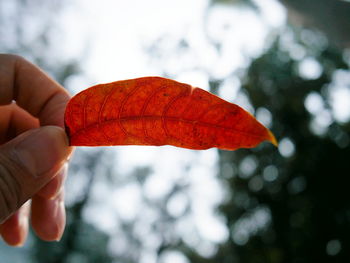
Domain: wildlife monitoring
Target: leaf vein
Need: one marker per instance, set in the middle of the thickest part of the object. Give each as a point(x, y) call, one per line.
point(165, 111)
point(168, 118)
point(101, 112)
point(126, 133)
point(143, 110)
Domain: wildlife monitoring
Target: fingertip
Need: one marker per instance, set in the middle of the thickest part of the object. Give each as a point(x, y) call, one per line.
point(48, 218)
point(10, 231)
point(14, 230)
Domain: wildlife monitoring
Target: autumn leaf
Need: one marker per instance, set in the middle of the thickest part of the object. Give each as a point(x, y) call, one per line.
point(159, 111)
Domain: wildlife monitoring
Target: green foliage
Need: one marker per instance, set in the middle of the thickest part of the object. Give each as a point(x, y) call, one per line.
point(303, 193)
point(89, 245)
point(248, 3)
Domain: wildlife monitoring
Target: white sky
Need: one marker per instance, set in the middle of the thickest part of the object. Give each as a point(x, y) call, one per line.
point(116, 30)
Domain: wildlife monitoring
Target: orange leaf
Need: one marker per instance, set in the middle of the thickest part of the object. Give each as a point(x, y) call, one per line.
point(159, 111)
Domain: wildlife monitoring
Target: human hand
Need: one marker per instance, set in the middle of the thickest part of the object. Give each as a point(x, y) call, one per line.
point(33, 155)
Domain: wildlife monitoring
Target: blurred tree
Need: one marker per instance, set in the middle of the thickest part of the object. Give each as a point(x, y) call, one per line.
point(249, 3)
point(297, 194)
point(29, 28)
point(288, 204)
point(292, 205)
point(285, 205)
point(329, 16)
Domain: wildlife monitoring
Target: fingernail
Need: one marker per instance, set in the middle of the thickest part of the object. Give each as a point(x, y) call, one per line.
point(42, 149)
point(55, 221)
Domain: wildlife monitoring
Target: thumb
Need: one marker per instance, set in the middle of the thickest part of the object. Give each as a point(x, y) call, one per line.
point(27, 163)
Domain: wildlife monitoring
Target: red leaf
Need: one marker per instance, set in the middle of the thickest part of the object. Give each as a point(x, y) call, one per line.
point(159, 111)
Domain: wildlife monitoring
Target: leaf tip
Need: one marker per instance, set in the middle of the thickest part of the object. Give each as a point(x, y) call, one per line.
point(272, 139)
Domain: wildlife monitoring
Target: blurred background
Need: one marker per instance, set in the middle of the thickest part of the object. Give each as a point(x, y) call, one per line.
point(287, 62)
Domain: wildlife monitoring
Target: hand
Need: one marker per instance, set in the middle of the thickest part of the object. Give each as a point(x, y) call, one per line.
point(33, 155)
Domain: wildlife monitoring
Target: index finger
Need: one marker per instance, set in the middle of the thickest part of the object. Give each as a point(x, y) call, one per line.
point(32, 89)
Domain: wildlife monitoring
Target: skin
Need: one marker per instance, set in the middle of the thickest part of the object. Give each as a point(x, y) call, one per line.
point(33, 152)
